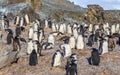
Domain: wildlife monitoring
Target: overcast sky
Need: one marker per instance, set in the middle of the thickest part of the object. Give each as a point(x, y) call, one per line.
point(106, 4)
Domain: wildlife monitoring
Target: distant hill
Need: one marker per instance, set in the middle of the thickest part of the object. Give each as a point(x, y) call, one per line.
point(61, 4)
point(60, 9)
point(51, 8)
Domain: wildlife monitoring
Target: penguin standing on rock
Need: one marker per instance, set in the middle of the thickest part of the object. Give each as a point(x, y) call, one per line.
point(91, 40)
point(80, 42)
point(35, 27)
point(72, 66)
point(29, 47)
point(18, 30)
point(56, 60)
point(72, 42)
point(117, 28)
point(54, 29)
point(22, 22)
point(39, 50)
point(33, 60)
point(69, 29)
point(75, 33)
point(49, 23)
point(112, 29)
point(51, 39)
point(9, 36)
point(3, 23)
point(41, 35)
point(111, 43)
point(30, 33)
point(16, 44)
point(6, 23)
point(17, 20)
point(95, 58)
point(61, 28)
point(66, 50)
point(103, 46)
point(35, 36)
point(46, 23)
point(27, 19)
point(96, 35)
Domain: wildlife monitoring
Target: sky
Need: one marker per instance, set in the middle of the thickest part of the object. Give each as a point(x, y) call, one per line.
point(106, 4)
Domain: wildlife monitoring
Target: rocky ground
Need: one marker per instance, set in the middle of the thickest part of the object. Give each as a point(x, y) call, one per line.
point(109, 65)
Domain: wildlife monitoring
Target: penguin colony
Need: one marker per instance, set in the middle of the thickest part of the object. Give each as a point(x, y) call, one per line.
point(75, 37)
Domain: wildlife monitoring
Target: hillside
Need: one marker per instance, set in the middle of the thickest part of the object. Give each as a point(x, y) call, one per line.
point(51, 4)
point(61, 9)
point(62, 5)
point(115, 13)
point(50, 8)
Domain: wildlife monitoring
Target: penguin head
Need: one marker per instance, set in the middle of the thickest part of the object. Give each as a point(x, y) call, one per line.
point(33, 51)
point(50, 45)
point(16, 37)
point(73, 56)
point(94, 49)
point(58, 52)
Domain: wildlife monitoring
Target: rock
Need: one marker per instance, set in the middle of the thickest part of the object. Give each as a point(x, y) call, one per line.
point(95, 14)
point(8, 58)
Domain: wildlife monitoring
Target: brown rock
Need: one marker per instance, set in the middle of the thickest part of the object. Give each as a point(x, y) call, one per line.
point(95, 14)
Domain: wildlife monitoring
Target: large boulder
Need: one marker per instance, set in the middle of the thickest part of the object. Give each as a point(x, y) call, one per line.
point(95, 14)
